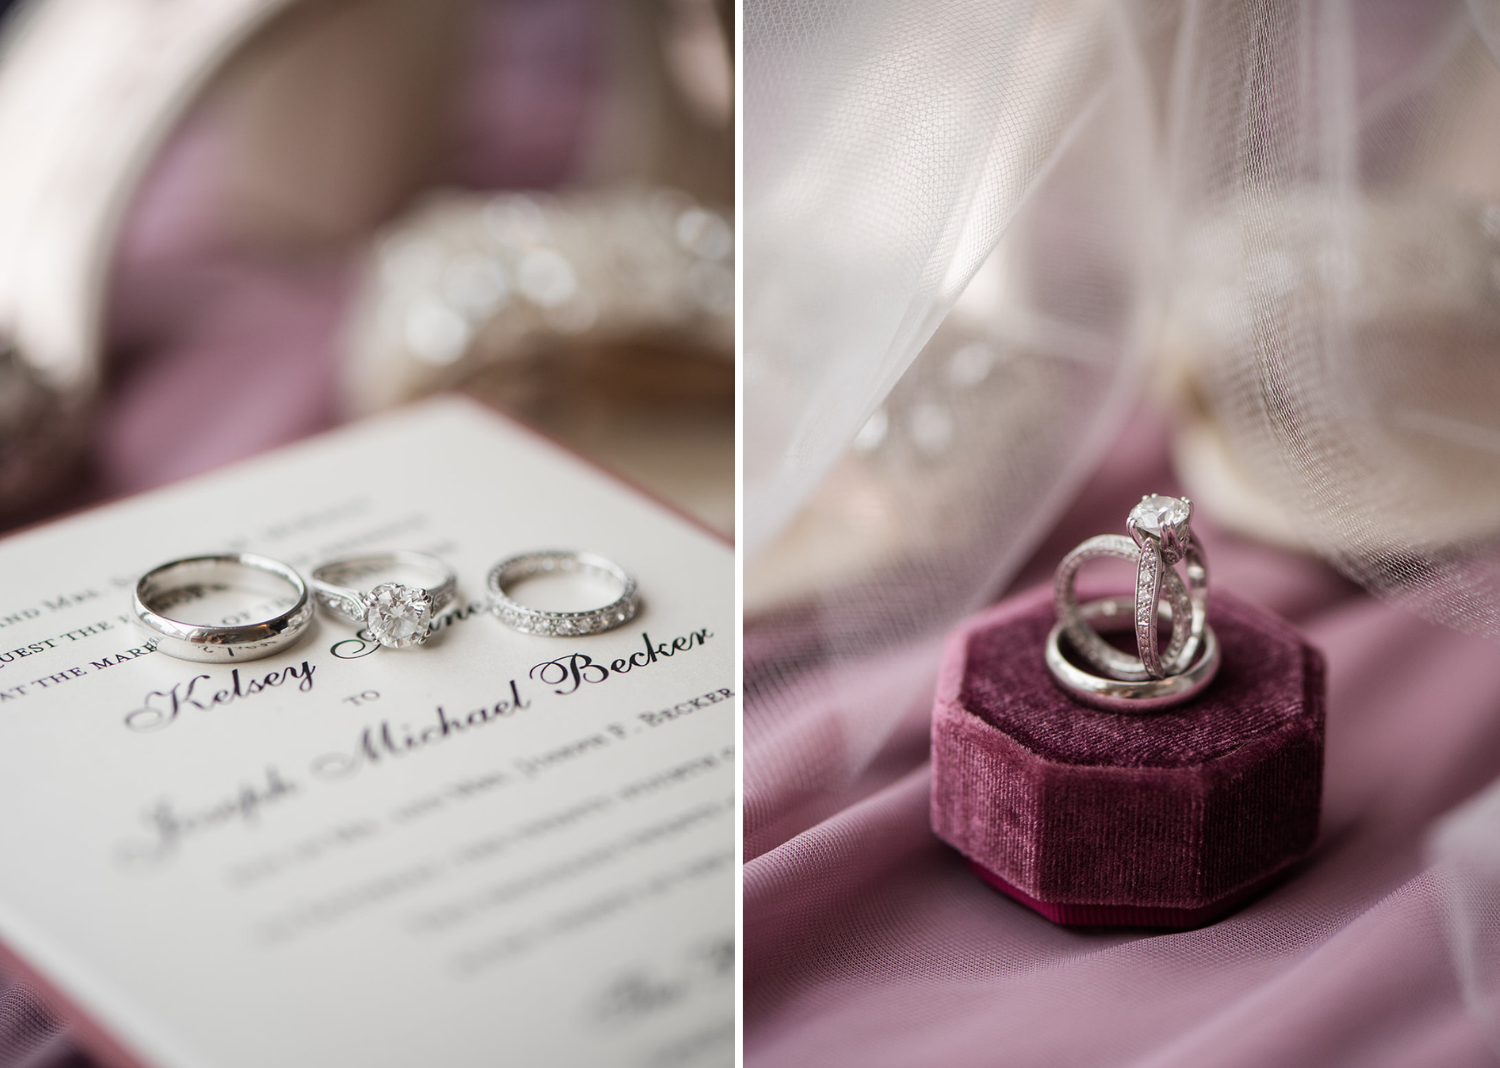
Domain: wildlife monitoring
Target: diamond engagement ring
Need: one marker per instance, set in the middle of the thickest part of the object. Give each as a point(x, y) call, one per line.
point(529, 620)
point(1160, 538)
point(179, 582)
point(395, 615)
point(1159, 525)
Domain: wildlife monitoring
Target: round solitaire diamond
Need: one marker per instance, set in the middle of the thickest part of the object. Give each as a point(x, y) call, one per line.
point(1155, 513)
point(397, 616)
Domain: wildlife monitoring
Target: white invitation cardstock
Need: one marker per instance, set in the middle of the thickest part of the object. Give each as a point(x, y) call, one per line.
point(493, 848)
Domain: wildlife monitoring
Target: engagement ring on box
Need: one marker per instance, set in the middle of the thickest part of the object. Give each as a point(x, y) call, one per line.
point(189, 577)
point(530, 620)
point(1160, 538)
point(394, 614)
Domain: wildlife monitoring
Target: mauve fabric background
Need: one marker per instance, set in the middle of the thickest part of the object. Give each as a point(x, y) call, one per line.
point(216, 355)
point(869, 943)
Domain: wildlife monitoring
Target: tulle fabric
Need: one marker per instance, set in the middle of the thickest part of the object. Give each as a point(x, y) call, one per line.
point(888, 146)
point(1335, 291)
point(924, 184)
point(975, 231)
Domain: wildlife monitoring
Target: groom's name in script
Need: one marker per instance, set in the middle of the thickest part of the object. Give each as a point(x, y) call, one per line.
point(398, 739)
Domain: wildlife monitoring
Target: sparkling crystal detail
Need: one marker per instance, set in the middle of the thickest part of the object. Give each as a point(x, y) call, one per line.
point(398, 616)
point(1155, 513)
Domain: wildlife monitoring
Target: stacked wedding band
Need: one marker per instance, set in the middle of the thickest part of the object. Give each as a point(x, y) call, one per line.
point(1161, 537)
point(509, 573)
point(356, 590)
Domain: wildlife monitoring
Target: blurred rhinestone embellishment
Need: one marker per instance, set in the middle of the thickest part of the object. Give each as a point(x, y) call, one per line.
point(1155, 513)
point(397, 616)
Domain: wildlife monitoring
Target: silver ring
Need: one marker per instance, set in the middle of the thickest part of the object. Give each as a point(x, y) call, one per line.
point(1093, 649)
point(228, 642)
point(1116, 695)
point(395, 615)
point(1161, 527)
point(530, 620)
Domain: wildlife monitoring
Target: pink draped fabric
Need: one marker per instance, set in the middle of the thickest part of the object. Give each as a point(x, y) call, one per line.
point(869, 943)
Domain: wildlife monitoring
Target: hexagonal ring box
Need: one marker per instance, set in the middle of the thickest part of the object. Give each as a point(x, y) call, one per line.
point(1166, 819)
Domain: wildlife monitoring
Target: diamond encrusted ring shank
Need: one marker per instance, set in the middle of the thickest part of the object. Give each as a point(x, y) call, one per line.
point(1117, 695)
point(530, 620)
point(224, 643)
point(1086, 642)
point(1161, 527)
point(394, 614)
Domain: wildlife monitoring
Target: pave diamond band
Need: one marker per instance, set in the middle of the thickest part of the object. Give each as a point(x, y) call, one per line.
point(1150, 579)
point(1160, 526)
point(508, 573)
point(394, 614)
point(184, 580)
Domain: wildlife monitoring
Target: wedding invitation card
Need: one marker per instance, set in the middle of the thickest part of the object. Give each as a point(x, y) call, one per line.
point(492, 848)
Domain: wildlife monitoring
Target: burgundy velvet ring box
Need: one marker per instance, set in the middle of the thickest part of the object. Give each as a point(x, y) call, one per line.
point(1165, 819)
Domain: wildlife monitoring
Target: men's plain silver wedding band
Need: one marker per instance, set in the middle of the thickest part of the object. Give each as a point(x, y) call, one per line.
point(1116, 695)
point(219, 644)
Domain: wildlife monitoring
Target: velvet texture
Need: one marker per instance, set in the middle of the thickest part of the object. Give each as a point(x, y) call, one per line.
point(1175, 812)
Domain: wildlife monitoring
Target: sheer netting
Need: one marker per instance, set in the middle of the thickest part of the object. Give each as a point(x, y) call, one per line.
point(1335, 302)
point(897, 156)
point(974, 234)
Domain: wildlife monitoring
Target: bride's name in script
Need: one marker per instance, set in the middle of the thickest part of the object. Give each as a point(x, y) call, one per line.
point(160, 708)
point(567, 673)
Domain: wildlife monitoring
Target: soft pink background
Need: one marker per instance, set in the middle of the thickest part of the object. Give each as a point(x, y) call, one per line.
point(868, 943)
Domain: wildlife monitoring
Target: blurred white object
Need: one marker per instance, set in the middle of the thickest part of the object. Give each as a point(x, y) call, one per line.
point(325, 110)
point(73, 163)
point(89, 89)
point(327, 117)
point(70, 170)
